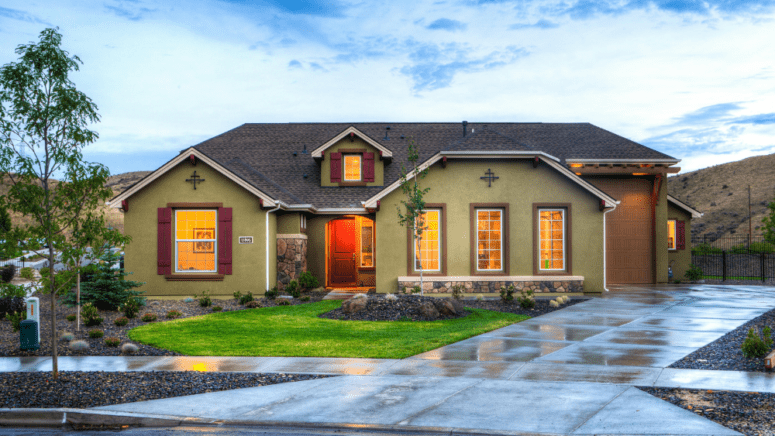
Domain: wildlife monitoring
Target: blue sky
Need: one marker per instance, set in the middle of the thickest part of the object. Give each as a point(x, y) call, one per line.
point(693, 79)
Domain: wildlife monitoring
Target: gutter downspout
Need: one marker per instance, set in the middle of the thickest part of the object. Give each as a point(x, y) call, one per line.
point(277, 203)
point(605, 260)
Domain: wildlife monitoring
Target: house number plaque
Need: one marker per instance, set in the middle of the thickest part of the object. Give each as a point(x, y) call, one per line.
point(245, 239)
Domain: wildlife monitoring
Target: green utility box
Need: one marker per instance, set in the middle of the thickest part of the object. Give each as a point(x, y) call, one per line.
point(28, 335)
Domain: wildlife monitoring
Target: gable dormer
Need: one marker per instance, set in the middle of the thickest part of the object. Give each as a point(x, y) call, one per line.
point(352, 159)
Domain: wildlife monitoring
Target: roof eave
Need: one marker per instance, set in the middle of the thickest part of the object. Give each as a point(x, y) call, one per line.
point(318, 152)
point(694, 212)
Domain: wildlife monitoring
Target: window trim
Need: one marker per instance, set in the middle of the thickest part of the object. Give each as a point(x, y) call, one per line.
point(505, 246)
point(175, 241)
point(344, 167)
point(568, 240)
point(675, 233)
point(443, 241)
point(373, 246)
point(302, 223)
point(350, 151)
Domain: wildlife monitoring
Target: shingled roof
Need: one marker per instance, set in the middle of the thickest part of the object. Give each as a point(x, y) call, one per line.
point(262, 154)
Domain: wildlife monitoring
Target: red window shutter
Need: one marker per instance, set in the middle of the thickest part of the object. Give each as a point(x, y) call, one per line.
point(224, 240)
point(164, 241)
point(680, 238)
point(368, 167)
point(336, 167)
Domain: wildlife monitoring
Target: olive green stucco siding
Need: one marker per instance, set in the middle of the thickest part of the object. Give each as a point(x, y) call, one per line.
point(316, 246)
point(660, 233)
point(520, 185)
point(679, 260)
point(248, 260)
point(288, 223)
point(346, 144)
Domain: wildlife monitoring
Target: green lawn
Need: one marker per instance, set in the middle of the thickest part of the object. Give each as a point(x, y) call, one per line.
point(297, 331)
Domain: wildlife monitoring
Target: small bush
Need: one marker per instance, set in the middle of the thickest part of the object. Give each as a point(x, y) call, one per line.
point(526, 299)
point(554, 303)
point(217, 308)
point(172, 314)
point(26, 273)
point(96, 333)
point(245, 299)
point(705, 248)
point(7, 273)
point(63, 280)
point(480, 298)
point(237, 295)
point(11, 305)
point(457, 292)
point(253, 304)
point(284, 302)
point(121, 321)
point(108, 288)
point(112, 342)
point(148, 317)
point(416, 290)
point(129, 349)
point(188, 300)
point(204, 299)
point(293, 289)
point(79, 345)
point(16, 319)
point(9, 290)
point(272, 293)
point(70, 318)
point(677, 282)
point(391, 297)
point(67, 336)
point(305, 298)
point(308, 281)
point(694, 273)
point(507, 293)
point(755, 346)
point(90, 315)
point(131, 308)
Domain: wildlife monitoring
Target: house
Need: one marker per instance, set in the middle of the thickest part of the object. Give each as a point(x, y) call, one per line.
point(564, 208)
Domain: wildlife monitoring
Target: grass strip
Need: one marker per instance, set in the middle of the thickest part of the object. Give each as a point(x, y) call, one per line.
point(296, 331)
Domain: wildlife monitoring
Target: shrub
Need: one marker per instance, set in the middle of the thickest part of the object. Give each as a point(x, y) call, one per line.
point(70, 318)
point(284, 302)
point(11, 290)
point(292, 289)
point(90, 315)
point(148, 317)
point(479, 298)
point(526, 299)
point(308, 281)
point(107, 288)
point(416, 290)
point(16, 319)
point(677, 281)
point(705, 248)
point(204, 299)
point(554, 303)
point(507, 293)
point(129, 348)
point(131, 308)
point(755, 346)
point(63, 280)
point(96, 333)
point(11, 305)
point(237, 295)
point(244, 299)
point(79, 345)
point(112, 342)
point(253, 304)
point(26, 273)
point(188, 300)
point(172, 314)
point(7, 273)
point(694, 273)
point(272, 293)
point(559, 301)
point(457, 292)
point(391, 297)
point(217, 308)
point(305, 298)
point(121, 322)
point(67, 336)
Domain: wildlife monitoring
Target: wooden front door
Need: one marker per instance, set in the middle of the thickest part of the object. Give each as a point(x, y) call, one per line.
point(342, 245)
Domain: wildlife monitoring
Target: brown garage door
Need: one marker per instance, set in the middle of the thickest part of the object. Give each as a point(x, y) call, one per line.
point(630, 247)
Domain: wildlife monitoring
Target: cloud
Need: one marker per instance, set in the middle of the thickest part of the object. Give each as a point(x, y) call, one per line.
point(21, 16)
point(540, 24)
point(447, 24)
point(706, 114)
point(322, 8)
point(133, 13)
point(294, 64)
point(316, 67)
point(754, 119)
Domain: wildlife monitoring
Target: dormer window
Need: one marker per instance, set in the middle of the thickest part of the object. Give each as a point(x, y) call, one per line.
point(352, 167)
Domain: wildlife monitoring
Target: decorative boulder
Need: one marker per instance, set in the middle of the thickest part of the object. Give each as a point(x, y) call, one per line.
point(429, 310)
point(445, 307)
point(354, 305)
point(457, 305)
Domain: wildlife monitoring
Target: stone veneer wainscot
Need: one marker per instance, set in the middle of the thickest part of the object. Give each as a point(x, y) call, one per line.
point(492, 285)
point(291, 257)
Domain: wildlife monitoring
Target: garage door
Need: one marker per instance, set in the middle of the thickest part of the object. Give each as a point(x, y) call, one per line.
point(629, 246)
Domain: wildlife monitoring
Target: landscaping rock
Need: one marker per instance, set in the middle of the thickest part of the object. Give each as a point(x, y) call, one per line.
point(354, 305)
point(445, 307)
point(428, 310)
point(393, 308)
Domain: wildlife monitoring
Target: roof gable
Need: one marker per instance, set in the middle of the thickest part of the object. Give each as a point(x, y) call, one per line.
point(384, 151)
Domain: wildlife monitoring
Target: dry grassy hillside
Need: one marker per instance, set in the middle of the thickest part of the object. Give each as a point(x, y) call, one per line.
point(721, 193)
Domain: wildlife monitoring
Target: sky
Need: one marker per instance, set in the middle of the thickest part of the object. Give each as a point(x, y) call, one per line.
point(692, 79)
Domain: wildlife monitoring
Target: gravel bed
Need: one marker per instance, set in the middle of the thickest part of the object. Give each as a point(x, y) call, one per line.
point(9, 340)
point(724, 353)
point(750, 413)
point(79, 389)
point(541, 308)
point(379, 308)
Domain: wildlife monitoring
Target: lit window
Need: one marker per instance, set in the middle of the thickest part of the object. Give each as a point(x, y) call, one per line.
point(367, 243)
point(195, 240)
point(427, 250)
point(489, 242)
point(352, 168)
point(303, 222)
point(671, 234)
point(551, 239)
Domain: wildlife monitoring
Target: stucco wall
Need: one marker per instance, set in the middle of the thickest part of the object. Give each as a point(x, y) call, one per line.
point(660, 233)
point(358, 143)
point(520, 185)
point(288, 223)
point(249, 260)
point(680, 259)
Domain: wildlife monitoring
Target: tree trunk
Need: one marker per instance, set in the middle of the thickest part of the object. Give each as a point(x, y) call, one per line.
point(54, 362)
point(78, 298)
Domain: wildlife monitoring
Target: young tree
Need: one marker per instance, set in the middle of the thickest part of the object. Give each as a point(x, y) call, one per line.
point(413, 215)
point(43, 128)
point(769, 224)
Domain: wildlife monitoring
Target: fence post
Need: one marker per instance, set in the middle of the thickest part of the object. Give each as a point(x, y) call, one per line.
point(762, 259)
point(723, 265)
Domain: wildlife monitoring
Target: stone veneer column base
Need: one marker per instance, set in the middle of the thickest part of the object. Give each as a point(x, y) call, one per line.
point(291, 258)
point(492, 285)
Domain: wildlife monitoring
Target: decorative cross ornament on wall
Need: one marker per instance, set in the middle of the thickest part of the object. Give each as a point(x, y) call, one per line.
point(195, 179)
point(490, 176)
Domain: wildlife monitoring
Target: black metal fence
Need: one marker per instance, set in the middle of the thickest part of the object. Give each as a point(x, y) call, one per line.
point(735, 258)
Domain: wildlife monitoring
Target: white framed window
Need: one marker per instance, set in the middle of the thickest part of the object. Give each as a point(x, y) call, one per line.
point(489, 239)
point(671, 233)
point(551, 239)
point(352, 167)
point(196, 244)
point(367, 243)
point(303, 222)
point(427, 250)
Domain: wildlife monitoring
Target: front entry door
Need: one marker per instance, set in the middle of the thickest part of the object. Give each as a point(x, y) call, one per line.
point(342, 252)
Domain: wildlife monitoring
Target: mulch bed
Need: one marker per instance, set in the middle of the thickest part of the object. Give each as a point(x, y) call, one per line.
point(750, 413)
point(9, 340)
point(725, 354)
point(542, 306)
point(79, 389)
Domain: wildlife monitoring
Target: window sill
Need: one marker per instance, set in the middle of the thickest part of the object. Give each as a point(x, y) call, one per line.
point(353, 183)
point(182, 277)
point(552, 273)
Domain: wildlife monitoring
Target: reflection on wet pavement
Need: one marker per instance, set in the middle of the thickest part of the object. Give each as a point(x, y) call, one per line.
point(550, 332)
point(485, 349)
point(615, 354)
point(670, 338)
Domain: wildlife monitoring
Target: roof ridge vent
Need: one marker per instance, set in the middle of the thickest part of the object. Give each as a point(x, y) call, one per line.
point(387, 130)
point(465, 127)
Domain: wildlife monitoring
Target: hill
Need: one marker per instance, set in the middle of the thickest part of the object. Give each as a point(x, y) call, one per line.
point(721, 193)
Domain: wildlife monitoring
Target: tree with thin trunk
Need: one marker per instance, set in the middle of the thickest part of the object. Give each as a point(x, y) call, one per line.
point(413, 213)
point(44, 123)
